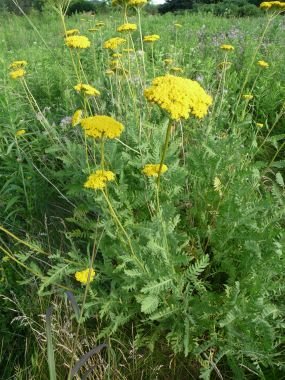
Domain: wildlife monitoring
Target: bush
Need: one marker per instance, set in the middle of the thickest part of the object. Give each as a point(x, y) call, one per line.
point(81, 7)
point(239, 8)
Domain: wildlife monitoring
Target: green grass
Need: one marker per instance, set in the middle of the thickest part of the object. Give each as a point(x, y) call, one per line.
point(189, 276)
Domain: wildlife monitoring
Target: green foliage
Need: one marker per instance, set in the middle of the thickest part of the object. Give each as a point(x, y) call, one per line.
point(81, 6)
point(229, 8)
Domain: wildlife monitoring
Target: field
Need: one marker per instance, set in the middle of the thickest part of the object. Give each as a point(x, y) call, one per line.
point(178, 268)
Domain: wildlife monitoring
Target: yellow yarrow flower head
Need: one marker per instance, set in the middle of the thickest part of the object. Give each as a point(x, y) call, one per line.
point(100, 126)
point(227, 47)
point(151, 38)
point(178, 25)
point(180, 97)
point(176, 69)
point(114, 43)
point(152, 170)
point(18, 64)
point(77, 42)
point(127, 28)
point(99, 24)
point(247, 96)
point(20, 132)
point(137, 3)
point(109, 72)
point(168, 61)
point(224, 65)
point(72, 32)
point(19, 73)
point(93, 30)
point(263, 64)
point(76, 118)
point(99, 179)
point(272, 5)
point(86, 89)
point(117, 55)
point(130, 50)
point(84, 275)
point(259, 125)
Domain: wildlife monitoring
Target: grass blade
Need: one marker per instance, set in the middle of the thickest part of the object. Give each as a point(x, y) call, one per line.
point(50, 351)
point(85, 357)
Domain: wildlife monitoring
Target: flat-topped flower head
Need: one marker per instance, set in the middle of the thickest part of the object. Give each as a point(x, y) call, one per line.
point(101, 126)
point(20, 132)
point(84, 275)
point(279, 5)
point(177, 25)
point(77, 42)
point(168, 61)
point(227, 47)
point(247, 96)
point(224, 65)
point(18, 64)
point(263, 64)
point(93, 30)
point(16, 74)
point(86, 89)
point(99, 24)
point(151, 38)
point(72, 32)
point(114, 43)
point(137, 3)
point(176, 69)
point(259, 125)
point(127, 28)
point(178, 96)
point(76, 118)
point(152, 170)
point(99, 179)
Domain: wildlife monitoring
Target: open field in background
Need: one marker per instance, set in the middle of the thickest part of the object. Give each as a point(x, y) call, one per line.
point(189, 272)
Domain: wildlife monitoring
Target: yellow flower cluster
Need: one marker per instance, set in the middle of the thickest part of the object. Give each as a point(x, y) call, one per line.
point(99, 179)
point(176, 69)
point(84, 275)
point(18, 64)
point(72, 32)
point(17, 69)
point(99, 24)
point(180, 97)
point(15, 74)
point(20, 132)
point(102, 126)
point(168, 61)
point(133, 3)
point(227, 47)
point(77, 42)
point(247, 96)
point(224, 65)
point(86, 89)
point(151, 170)
point(151, 38)
point(272, 5)
point(114, 43)
point(259, 125)
point(263, 64)
point(127, 28)
point(76, 118)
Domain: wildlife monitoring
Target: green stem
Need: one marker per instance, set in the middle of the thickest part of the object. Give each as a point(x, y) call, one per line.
point(164, 150)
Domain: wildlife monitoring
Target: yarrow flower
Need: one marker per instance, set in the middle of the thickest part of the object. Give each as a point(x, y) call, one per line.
point(130, 50)
point(247, 96)
point(100, 126)
point(178, 25)
point(227, 47)
point(84, 275)
point(224, 65)
point(176, 69)
point(99, 179)
point(259, 125)
point(19, 73)
point(99, 24)
point(114, 43)
point(86, 89)
point(137, 3)
point(76, 118)
point(151, 38)
point(72, 32)
point(127, 28)
point(18, 64)
point(117, 55)
point(109, 72)
point(272, 4)
point(77, 42)
point(180, 97)
point(20, 132)
point(168, 61)
point(263, 64)
point(152, 170)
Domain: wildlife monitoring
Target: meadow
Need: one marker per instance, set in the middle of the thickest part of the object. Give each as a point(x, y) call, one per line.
point(142, 220)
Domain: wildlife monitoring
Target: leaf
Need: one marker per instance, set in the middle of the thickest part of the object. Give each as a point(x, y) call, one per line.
point(85, 357)
point(157, 287)
point(74, 304)
point(279, 179)
point(50, 351)
point(149, 304)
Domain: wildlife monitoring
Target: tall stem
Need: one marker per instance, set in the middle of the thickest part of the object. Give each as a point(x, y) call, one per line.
point(164, 150)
